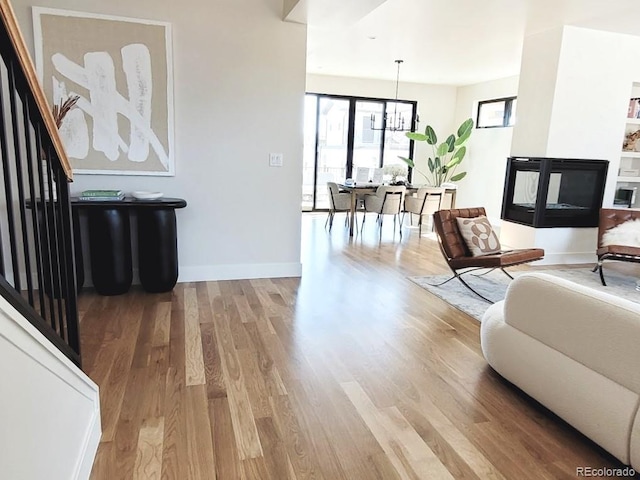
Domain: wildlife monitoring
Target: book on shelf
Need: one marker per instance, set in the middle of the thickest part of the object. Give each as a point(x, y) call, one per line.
point(102, 193)
point(97, 198)
point(634, 108)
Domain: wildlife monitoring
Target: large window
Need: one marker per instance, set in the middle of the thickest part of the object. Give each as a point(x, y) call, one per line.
point(500, 112)
point(339, 138)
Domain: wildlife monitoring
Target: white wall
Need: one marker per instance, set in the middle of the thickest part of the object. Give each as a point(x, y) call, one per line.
point(577, 83)
point(49, 409)
point(239, 74)
point(590, 96)
point(487, 149)
point(538, 72)
point(436, 103)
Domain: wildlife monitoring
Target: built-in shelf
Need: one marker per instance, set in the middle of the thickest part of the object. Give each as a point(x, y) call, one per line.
point(627, 185)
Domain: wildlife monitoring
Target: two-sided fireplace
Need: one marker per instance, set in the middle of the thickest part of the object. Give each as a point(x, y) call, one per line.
point(554, 192)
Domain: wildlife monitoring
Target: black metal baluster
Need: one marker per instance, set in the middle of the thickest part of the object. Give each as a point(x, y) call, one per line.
point(21, 199)
point(48, 257)
point(57, 275)
point(71, 306)
point(35, 204)
point(4, 150)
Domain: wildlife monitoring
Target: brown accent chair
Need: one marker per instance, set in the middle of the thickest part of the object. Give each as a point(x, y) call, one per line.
point(458, 256)
point(609, 218)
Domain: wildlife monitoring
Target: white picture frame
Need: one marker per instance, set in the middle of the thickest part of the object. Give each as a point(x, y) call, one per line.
point(121, 68)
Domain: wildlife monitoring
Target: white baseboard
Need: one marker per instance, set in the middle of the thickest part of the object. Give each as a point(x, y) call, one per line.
point(239, 271)
point(551, 258)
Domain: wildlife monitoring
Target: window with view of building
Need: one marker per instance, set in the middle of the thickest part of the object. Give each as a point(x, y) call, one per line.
point(500, 112)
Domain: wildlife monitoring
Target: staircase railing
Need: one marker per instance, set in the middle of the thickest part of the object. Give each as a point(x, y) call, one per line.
point(37, 266)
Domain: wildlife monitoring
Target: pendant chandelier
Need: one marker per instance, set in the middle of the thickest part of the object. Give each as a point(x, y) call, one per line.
point(397, 121)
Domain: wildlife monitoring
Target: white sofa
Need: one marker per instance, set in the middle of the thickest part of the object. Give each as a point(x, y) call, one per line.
point(574, 349)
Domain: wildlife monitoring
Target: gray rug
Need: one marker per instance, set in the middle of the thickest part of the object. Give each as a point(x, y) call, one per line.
point(494, 285)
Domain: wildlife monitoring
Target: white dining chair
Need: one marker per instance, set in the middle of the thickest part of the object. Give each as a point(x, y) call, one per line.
point(362, 175)
point(338, 202)
point(376, 178)
point(425, 203)
point(386, 201)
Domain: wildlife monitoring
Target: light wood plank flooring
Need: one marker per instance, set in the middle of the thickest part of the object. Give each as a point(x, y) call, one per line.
point(351, 372)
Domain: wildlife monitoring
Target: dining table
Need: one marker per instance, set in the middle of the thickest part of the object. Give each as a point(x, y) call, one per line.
point(356, 189)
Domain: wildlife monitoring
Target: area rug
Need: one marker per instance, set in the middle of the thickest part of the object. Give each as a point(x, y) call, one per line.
point(494, 285)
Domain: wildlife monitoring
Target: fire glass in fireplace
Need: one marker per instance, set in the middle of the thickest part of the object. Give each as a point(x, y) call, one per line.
point(554, 192)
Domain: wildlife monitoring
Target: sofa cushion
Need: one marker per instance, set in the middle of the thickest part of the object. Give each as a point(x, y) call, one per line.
point(597, 329)
point(478, 235)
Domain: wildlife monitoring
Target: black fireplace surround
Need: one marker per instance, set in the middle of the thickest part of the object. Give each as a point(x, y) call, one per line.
point(554, 192)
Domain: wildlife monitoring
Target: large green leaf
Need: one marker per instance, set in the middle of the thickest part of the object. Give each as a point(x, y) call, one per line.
point(453, 163)
point(432, 138)
point(451, 141)
point(460, 153)
point(437, 163)
point(458, 176)
point(408, 161)
point(432, 165)
point(443, 148)
point(465, 127)
point(418, 137)
point(464, 132)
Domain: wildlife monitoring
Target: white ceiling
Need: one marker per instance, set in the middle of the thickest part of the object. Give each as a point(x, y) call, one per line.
point(454, 42)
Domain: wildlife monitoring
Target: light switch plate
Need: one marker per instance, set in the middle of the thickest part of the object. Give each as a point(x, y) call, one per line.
point(275, 159)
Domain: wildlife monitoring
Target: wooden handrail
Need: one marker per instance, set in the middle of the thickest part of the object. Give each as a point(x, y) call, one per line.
point(11, 24)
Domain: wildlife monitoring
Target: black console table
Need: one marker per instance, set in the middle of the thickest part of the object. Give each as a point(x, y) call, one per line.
point(110, 243)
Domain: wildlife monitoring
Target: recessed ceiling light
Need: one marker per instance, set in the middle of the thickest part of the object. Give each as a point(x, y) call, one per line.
point(371, 37)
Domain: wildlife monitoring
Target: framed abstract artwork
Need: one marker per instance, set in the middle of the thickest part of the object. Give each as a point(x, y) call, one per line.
point(121, 70)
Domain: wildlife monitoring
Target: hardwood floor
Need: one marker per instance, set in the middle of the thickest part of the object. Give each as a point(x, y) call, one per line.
point(351, 372)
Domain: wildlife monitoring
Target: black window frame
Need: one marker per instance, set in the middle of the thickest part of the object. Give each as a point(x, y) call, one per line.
point(353, 99)
point(506, 118)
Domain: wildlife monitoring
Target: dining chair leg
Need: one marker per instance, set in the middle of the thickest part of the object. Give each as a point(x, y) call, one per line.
point(420, 226)
point(327, 220)
point(364, 217)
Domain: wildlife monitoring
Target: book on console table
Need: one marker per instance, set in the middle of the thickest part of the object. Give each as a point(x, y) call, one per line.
point(101, 195)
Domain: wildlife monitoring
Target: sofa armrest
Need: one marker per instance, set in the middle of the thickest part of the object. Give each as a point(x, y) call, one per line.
point(596, 329)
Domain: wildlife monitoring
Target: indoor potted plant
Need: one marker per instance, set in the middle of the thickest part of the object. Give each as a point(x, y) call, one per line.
point(446, 156)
